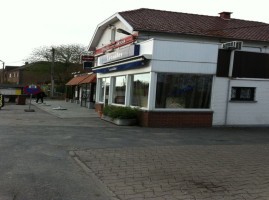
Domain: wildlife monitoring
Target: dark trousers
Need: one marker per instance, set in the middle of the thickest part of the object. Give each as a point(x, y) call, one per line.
point(41, 98)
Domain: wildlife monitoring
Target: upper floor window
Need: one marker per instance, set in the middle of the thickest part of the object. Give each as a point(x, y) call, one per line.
point(113, 34)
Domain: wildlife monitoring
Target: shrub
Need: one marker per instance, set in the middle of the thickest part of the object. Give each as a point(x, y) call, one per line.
point(120, 112)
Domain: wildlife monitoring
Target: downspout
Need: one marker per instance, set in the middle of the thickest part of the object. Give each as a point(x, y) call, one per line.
point(229, 85)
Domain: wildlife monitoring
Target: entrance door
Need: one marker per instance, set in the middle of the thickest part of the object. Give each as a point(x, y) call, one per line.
point(107, 84)
point(85, 94)
point(104, 92)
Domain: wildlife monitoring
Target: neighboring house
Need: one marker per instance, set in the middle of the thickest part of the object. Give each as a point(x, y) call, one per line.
point(12, 75)
point(175, 67)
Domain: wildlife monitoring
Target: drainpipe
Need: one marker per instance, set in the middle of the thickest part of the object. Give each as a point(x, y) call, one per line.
point(229, 85)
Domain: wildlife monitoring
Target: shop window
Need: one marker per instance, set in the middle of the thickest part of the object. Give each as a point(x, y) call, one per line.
point(104, 90)
point(139, 90)
point(183, 91)
point(242, 94)
point(119, 90)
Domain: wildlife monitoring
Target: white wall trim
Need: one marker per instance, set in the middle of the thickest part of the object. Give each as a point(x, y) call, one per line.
point(124, 22)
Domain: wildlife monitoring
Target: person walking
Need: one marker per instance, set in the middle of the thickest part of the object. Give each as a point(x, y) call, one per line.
point(40, 96)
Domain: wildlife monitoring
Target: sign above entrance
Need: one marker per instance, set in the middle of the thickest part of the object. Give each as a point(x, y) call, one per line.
point(118, 54)
point(121, 66)
point(87, 58)
point(122, 42)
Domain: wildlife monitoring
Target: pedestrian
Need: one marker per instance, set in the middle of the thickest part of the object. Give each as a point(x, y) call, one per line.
point(40, 96)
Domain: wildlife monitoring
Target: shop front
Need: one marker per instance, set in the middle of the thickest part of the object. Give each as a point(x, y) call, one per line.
point(167, 96)
point(81, 89)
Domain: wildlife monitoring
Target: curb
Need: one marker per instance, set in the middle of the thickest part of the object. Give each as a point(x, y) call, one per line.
point(96, 180)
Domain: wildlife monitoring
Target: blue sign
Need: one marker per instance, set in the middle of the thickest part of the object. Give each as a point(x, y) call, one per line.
point(118, 54)
point(120, 67)
point(87, 65)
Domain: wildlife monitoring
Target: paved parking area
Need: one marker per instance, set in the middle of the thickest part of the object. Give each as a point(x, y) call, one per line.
point(72, 154)
point(182, 172)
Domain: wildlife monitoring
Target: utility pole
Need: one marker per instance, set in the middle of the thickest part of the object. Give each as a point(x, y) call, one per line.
point(3, 71)
point(52, 73)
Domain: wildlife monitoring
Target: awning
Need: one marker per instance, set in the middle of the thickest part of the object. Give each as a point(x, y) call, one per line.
point(89, 78)
point(139, 62)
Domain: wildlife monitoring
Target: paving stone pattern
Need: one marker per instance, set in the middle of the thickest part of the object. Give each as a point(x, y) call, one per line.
point(182, 172)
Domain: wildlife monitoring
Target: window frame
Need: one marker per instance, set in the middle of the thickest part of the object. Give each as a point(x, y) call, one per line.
point(131, 90)
point(238, 94)
point(114, 87)
point(209, 108)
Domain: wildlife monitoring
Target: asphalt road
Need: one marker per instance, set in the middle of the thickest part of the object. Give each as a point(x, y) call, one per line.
point(34, 149)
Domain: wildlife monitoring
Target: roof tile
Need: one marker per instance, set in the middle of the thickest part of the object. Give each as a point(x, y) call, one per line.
point(191, 24)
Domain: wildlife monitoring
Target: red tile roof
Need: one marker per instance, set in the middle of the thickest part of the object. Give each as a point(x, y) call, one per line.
point(76, 80)
point(89, 78)
point(191, 24)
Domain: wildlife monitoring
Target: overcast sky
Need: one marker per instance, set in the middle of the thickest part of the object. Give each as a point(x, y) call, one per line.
point(28, 24)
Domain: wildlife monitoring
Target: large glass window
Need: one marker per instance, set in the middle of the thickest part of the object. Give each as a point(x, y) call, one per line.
point(139, 90)
point(119, 90)
point(104, 90)
point(183, 91)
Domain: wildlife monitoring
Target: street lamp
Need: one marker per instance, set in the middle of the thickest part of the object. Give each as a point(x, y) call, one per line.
point(52, 73)
point(3, 74)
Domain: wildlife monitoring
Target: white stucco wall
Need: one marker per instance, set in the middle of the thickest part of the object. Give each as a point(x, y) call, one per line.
point(106, 37)
point(250, 113)
point(240, 113)
point(184, 57)
point(219, 99)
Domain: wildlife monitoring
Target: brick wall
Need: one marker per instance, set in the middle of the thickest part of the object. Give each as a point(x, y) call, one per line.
point(175, 119)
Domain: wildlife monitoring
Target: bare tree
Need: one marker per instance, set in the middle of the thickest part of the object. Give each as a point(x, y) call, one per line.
point(63, 53)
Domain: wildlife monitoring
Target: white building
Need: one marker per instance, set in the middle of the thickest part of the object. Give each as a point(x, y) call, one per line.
point(175, 67)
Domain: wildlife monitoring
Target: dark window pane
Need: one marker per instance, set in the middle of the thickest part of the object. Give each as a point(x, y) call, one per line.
point(139, 90)
point(243, 93)
point(223, 63)
point(119, 90)
point(251, 65)
point(183, 91)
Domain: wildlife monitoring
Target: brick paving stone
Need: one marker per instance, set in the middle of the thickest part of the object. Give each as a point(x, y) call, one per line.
point(183, 172)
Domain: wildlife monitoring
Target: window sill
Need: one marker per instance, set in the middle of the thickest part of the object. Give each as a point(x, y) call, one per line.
point(182, 110)
point(238, 101)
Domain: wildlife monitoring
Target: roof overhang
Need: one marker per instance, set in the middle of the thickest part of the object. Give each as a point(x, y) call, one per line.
point(103, 26)
point(78, 80)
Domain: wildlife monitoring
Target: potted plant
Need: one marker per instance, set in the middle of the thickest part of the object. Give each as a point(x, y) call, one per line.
point(122, 116)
